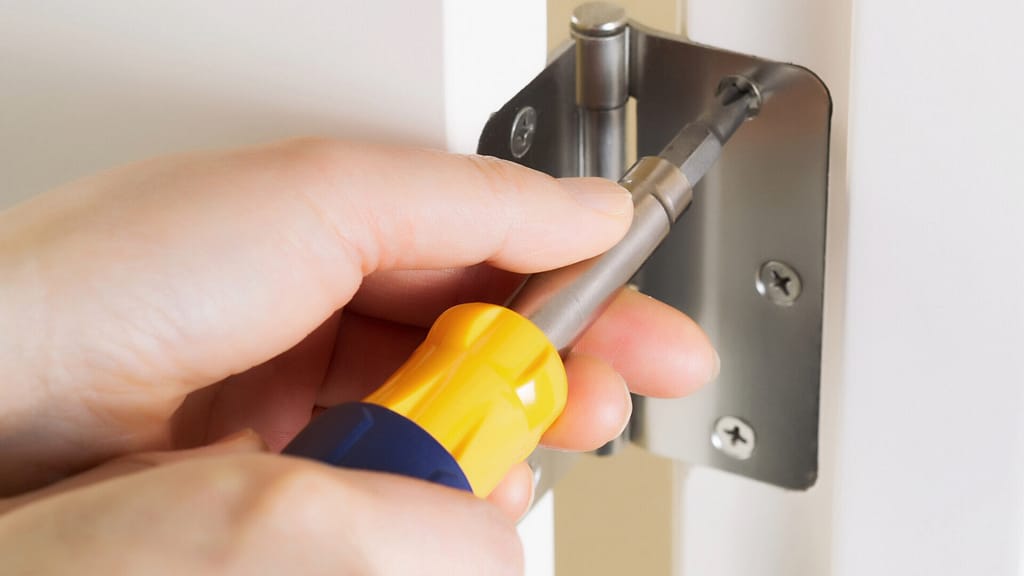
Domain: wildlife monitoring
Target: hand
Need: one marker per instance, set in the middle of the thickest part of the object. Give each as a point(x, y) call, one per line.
point(226, 509)
point(164, 305)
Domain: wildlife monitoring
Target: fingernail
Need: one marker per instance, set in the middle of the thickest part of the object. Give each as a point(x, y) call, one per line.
point(716, 368)
point(600, 195)
point(533, 494)
point(629, 406)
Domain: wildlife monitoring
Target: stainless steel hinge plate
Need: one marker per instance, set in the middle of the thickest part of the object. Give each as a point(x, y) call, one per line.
point(746, 261)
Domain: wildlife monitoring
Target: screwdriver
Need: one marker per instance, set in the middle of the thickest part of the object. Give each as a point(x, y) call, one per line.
point(476, 396)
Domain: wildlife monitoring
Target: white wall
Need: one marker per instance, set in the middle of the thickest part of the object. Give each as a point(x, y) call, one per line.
point(88, 85)
point(932, 430)
point(923, 415)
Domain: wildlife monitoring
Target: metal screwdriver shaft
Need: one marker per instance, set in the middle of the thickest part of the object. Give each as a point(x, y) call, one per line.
point(563, 302)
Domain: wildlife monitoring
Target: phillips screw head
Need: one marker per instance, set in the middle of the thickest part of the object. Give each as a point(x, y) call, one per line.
point(734, 437)
point(523, 129)
point(778, 282)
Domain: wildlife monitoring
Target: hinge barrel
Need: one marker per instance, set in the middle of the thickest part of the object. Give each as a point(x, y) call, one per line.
point(602, 88)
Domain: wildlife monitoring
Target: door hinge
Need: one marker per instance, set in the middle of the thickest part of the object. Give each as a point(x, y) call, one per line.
point(747, 259)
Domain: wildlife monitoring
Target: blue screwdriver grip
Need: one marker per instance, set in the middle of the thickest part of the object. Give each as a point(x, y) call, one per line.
point(366, 436)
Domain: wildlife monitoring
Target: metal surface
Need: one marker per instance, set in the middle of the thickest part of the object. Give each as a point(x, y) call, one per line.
point(602, 87)
point(602, 80)
point(734, 438)
point(523, 128)
point(765, 199)
point(598, 19)
point(603, 133)
point(600, 31)
point(555, 148)
point(565, 301)
point(698, 146)
point(778, 282)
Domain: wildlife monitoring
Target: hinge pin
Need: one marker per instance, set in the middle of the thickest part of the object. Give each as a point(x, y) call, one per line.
point(602, 87)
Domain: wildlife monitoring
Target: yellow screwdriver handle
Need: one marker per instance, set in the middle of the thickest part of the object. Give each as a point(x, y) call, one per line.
point(471, 402)
point(486, 384)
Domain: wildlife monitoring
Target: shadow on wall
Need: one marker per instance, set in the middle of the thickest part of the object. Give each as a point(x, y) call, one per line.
point(103, 86)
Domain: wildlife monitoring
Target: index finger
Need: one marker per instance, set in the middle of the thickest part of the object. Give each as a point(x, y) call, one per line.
point(186, 270)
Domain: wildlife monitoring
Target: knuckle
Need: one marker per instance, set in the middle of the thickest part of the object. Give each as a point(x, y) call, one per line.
point(502, 186)
point(254, 489)
point(260, 501)
point(288, 492)
point(311, 160)
point(500, 177)
point(331, 220)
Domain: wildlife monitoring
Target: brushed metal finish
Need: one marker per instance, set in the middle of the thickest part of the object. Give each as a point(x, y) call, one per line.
point(564, 302)
point(602, 82)
point(598, 19)
point(778, 282)
point(764, 199)
point(555, 148)
point(603, 134)
point(602, 87)
point(523, 128)
point(602, 43)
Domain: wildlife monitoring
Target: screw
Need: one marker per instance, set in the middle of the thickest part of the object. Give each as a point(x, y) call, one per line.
point(523, 129)
point(743, 87)
point(734, 437)
point(778, 282)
